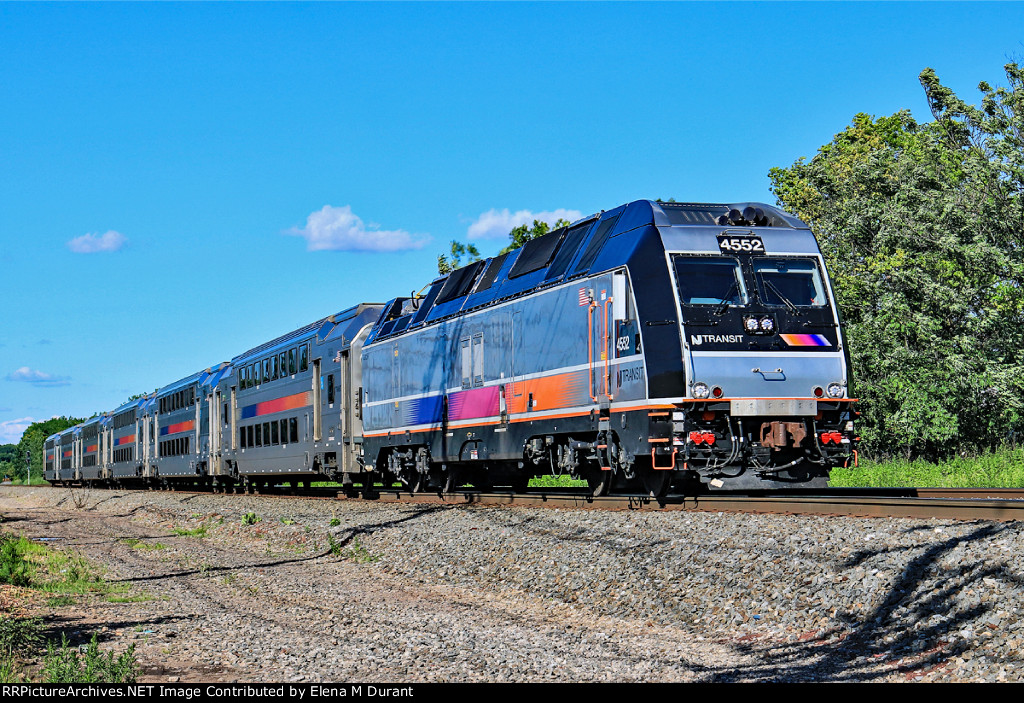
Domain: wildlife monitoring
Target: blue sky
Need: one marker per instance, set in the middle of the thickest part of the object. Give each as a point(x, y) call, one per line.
point(181, 182)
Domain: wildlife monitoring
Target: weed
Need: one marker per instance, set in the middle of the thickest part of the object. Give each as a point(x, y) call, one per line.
point(251, 519)
point(287, 521)
point(334, 545)
point(66, 665)
point(230, 579)
point(137, 598)
point(335, 522)
point(14, 568)
point(59, 601)
point(20, 634)
point(140, 544)
point(196, 532)
point(8, 674)
point(357, 552)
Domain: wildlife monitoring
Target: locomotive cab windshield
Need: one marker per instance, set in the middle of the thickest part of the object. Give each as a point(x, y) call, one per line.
point(790, 282)
point(704, 280)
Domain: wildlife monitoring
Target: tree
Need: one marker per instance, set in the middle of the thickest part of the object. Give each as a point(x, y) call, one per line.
point(923, 230)
point(32, 441)
point(517, 237)
point(458, 250)
point(522, 234)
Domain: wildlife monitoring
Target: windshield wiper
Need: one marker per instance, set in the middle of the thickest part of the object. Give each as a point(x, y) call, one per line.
point(789, 304)
point(724, 305)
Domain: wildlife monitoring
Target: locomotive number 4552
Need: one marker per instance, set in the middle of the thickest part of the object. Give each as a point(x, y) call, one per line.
point(730, 243)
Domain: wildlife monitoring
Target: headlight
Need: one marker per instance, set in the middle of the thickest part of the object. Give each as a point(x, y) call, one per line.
point(750, 324)
point(767, 324)
point(701, 390)
point(835, 390)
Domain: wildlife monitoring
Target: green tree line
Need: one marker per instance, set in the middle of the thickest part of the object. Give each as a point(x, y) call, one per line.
point(922, 227)
point(12, 456)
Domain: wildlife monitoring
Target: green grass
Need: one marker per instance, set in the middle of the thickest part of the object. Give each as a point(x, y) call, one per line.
point(1002, 468)
point(36, 481)
point(556, 482)
point(33, 565)
point(140, 544)
point(199, 532)
point(135, 598)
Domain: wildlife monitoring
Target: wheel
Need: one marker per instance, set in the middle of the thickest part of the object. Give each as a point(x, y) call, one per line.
point(598, 481)
point(482, 480)
point(655, 483)
point(414, 481)
point(520, 482)
point(451, 479)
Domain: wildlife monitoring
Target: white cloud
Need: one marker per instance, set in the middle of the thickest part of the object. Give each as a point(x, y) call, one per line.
point(341, 229)
point(92, 242)
point(37, 378)
point(495, 224)
point(11, 430)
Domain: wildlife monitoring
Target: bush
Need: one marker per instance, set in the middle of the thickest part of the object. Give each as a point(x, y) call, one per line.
point(14, 570)
point(66, 665)
point(19, 635)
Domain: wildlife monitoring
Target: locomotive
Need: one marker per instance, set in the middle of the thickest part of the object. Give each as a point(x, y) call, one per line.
point(644, 349)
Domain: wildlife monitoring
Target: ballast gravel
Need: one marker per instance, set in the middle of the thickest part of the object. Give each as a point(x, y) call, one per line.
point(245, 588)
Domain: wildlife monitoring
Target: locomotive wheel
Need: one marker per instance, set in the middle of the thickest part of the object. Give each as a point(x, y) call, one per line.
point(415, 481)
point(599, 482)
point(451, 480)
point(655, 483)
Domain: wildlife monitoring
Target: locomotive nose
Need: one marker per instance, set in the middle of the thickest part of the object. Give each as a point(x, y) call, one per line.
point(781, 375)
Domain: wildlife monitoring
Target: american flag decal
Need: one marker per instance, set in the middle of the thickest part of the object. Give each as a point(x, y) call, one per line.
point(584, 296)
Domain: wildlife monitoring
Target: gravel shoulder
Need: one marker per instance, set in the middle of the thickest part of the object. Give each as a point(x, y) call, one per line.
point(419, 593)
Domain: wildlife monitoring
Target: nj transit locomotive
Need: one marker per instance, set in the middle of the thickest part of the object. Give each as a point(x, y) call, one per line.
point(649, 346)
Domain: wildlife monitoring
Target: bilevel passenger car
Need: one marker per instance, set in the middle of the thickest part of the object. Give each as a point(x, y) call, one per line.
point(286, 409)
point(650, 346)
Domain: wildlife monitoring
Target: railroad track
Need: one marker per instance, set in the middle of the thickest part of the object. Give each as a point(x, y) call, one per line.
point(959, 504)
point(968, 504)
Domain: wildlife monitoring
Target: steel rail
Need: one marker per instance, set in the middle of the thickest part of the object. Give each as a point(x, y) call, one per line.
point(904, 506)
point(1001, 504)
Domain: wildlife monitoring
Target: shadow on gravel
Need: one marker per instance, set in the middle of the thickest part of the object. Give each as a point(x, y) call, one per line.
point(887, 633)
point(338, 544)
point(101, 502)
point(79, 631)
